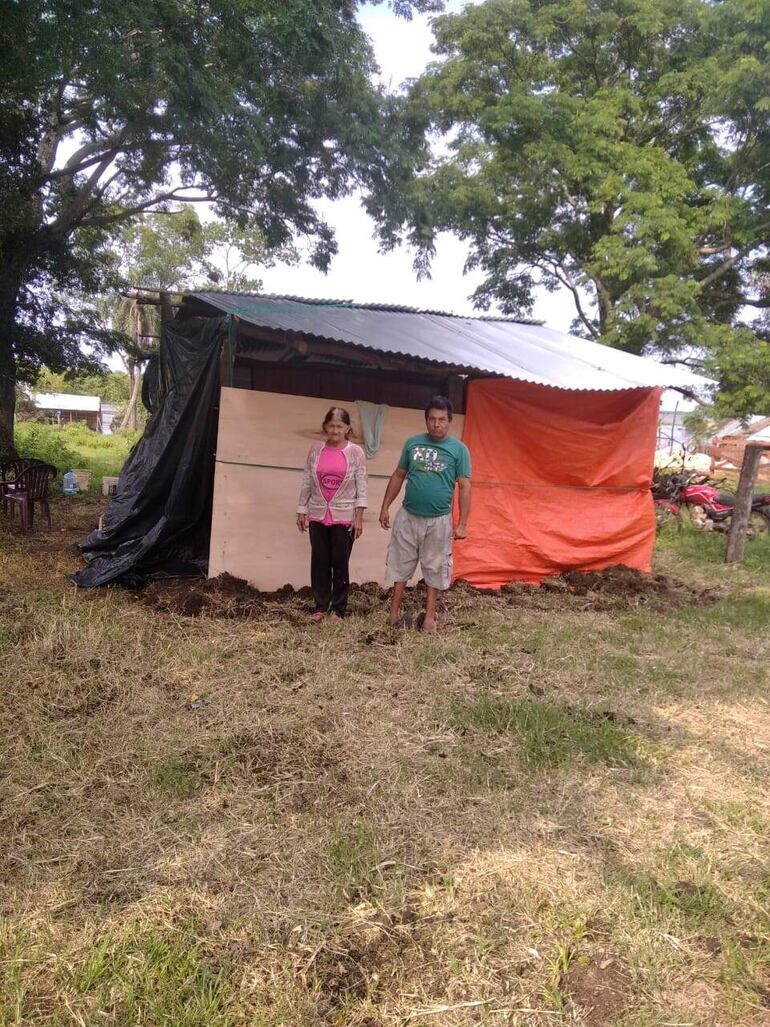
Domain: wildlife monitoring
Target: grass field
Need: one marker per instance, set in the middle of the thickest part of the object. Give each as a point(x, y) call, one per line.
point(554, 813)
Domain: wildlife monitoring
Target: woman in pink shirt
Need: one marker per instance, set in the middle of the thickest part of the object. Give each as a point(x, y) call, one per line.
point(332, 501)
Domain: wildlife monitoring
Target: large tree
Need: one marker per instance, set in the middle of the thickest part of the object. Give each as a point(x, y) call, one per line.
point(619, 149)
point(111, 109)
point(169, 252)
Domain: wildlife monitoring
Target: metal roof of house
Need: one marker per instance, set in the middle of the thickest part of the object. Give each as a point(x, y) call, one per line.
point(65, 401)
point(497, 345)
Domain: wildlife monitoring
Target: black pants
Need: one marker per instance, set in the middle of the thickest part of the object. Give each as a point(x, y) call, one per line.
point(330, 548)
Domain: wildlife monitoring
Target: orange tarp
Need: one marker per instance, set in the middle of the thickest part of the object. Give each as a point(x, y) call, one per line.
point(561, 480)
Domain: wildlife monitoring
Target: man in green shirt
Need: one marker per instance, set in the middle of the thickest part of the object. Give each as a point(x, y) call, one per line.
point(431, 463)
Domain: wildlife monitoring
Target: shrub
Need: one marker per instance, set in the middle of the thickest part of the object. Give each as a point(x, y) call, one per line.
point(44, 442)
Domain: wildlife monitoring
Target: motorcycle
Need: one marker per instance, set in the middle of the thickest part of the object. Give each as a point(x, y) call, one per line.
point(718, 505)
point(674, 491)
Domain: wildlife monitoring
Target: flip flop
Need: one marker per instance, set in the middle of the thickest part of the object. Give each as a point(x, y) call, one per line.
point(317, 616)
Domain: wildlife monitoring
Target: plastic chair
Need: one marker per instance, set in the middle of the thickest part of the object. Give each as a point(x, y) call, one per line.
point(28, 488)
point(9, 472)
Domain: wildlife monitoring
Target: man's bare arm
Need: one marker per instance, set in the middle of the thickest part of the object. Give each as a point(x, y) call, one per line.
point(393, 489)
point(464, 486)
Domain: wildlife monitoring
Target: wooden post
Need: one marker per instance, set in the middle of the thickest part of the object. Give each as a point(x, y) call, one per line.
point(741, 517)
point(455, 392)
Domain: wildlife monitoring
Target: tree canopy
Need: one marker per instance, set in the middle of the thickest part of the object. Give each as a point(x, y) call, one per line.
point(619, 149)
point(114, 109)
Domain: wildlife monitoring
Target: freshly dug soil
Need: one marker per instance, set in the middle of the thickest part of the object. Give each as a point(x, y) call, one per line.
point(617, 587)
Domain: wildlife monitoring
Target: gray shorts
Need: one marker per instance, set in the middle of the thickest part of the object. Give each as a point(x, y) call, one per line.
point(427, 540)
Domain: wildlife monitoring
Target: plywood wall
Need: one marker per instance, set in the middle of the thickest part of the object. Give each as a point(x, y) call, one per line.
point(261, 450)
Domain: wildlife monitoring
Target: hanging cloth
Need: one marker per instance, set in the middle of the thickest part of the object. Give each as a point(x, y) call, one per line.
point(372, 417)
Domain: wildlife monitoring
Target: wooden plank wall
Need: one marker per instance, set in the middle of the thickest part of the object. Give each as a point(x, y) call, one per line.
point(262, 446)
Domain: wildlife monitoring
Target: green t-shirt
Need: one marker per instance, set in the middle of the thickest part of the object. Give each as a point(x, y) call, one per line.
point(432, 468)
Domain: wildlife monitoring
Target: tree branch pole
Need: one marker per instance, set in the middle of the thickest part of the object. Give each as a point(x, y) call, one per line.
point(739, 522)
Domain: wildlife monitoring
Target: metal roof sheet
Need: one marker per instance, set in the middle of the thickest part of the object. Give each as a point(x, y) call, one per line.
point(65, 401)
point(528, 352)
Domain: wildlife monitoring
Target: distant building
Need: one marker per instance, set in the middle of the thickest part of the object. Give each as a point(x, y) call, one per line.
point(65, 408)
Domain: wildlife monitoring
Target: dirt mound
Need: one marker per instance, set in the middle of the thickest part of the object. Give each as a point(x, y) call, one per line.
point(614, 588)
point(598, 989)
point(234, 598)
point(617, 580)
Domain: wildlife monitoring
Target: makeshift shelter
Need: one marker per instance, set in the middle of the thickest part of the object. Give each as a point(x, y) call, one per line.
point(561, 432)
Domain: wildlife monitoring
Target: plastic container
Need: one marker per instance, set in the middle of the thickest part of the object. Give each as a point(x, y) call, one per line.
point(109, 485)
point(69, 483)
point(83, 478)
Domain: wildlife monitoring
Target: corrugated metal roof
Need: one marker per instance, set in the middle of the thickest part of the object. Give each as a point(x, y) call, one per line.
point(528, 352)
point(65, 401)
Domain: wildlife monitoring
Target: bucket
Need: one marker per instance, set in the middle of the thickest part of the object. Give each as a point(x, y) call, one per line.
point(109, 486)
point(83, 478)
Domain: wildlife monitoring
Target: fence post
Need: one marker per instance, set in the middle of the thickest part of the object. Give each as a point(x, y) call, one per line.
point(739, 522)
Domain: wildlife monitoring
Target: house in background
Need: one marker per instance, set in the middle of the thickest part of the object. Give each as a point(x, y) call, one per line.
point(66, 408)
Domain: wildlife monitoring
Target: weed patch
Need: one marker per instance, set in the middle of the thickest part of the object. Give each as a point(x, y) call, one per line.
point(148, 976)
point(547, 735)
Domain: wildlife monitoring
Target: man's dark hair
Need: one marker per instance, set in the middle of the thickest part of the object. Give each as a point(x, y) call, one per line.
point(440, 403)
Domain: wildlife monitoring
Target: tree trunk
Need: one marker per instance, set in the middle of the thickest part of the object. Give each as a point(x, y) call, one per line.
point(135, 380)
point(8, 294)
point(7, 407)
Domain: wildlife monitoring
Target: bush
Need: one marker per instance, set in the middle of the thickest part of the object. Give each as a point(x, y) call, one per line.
point(75, 445)
point(44, 442)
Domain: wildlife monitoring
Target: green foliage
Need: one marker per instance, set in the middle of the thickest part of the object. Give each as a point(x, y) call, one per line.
point(178, 777)
point(620, 151)
point(705, 549)
point(261, 108)
point(75, 445)
point(45, 442)
point(110, 386)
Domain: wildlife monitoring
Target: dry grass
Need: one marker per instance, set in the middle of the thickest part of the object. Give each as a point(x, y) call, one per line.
point(553, 813)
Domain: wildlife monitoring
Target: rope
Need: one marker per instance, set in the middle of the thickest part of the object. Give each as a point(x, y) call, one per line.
point(277, 467)
point(476, 484)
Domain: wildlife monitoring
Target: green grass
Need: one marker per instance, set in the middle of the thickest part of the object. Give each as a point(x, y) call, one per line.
point(548, 735)
point(151, 977)
point(706, 549)
point(352, 858)
point(180, 778)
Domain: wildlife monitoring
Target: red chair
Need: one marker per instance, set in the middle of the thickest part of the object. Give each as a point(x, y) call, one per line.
point(28, 488)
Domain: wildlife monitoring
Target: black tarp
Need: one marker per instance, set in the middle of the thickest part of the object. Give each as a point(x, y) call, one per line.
point(159, 523)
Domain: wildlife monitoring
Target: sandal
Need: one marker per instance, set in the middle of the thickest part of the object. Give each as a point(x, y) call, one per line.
point(317, 616)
